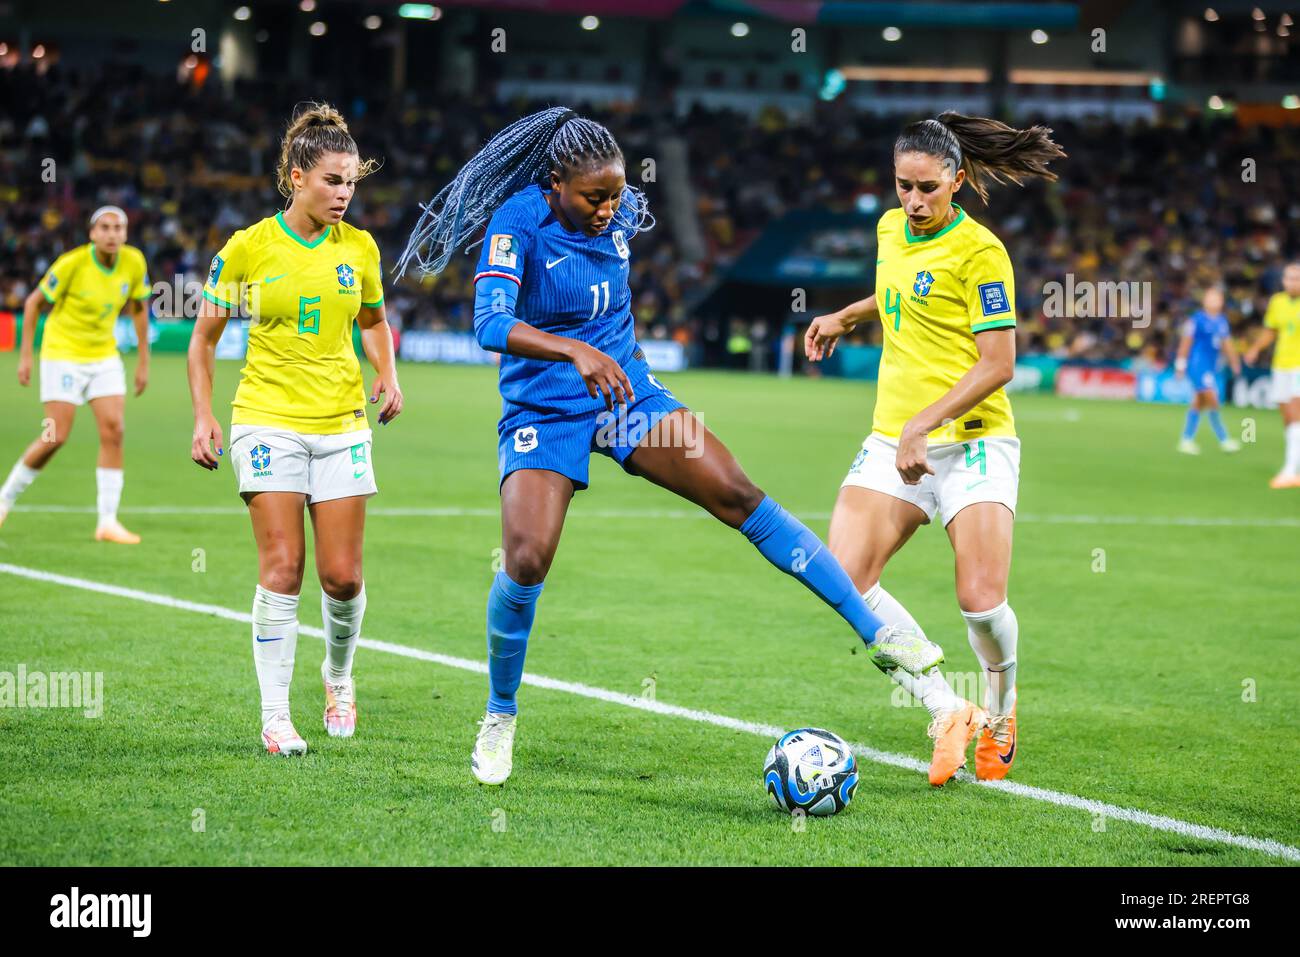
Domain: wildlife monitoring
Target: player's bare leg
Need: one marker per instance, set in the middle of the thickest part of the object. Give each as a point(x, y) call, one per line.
point(281, 553)
point(681, 455)
point(110, 413)
point(55, 429)
point(981, 536)
point(339, 526)
point(534, 503)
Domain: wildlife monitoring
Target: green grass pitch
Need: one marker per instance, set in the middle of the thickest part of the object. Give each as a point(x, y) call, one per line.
point(1156, 597)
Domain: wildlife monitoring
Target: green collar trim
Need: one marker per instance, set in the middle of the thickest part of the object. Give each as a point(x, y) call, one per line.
point(102, 268)
point(907, 227)
point(279, 218)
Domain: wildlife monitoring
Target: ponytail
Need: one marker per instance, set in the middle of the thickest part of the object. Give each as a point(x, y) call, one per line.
point(315, 131)
point(986, 149)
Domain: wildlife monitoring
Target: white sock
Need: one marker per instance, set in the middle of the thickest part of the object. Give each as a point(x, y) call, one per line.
point(109, 483)
point(993, 636)
point(342, 629)
point(20, 476)
point(1292, 466)
point(932, 688)
point(275, 639)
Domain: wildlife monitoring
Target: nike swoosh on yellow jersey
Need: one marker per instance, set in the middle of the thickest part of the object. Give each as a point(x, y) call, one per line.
point(270, 279)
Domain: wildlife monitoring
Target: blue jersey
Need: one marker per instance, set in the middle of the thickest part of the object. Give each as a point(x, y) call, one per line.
point(1208, 334)
point(570, 284)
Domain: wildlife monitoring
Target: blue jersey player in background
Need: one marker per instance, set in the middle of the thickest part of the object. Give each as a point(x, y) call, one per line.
point(1206, 337)
point(551, 295)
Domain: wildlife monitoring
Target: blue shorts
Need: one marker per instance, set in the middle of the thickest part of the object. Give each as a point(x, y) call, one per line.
point(528, 439)
point(1202, 378)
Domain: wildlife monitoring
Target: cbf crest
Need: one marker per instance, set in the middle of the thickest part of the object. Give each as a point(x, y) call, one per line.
point(347, 278)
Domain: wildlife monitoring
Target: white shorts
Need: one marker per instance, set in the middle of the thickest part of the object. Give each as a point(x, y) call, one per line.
point(63, 380)
point(323, 467)
point(1286, 385)
point(982, 470)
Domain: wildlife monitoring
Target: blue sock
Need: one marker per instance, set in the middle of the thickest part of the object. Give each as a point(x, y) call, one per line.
point(1193, 423)
point(788, 544)
point(1216, 424)
point(510, 610)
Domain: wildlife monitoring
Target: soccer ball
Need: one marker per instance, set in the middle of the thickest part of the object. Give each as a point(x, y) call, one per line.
point(812, 771)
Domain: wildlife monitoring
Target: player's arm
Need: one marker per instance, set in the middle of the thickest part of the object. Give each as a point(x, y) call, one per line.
point(1184, 350)
point(1263, 339)
point(990, 307)
point(994, 369)
point(32, 306)
point(377, 341)
point(825, 331)
point(138, 310)
point(201, 365)
point(1230, 353)
point(500, 275)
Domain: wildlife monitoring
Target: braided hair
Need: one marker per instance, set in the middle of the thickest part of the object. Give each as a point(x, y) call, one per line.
point(525, 152)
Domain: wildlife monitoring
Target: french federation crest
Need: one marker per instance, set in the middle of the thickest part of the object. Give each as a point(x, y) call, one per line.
point(346, 276)
point(526, 439)
point(620, 243)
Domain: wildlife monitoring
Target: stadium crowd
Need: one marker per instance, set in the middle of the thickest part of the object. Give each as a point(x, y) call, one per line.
point(1175, 205)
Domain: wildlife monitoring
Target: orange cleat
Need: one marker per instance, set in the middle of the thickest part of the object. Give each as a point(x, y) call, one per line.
point(114, 532)
point(997, 747)
point(1284, 481)
point(952, 733)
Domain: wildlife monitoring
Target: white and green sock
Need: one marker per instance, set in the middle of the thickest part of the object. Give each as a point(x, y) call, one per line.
point(20, 476)
point(108, 483)
point(931, 688)
point(342, 621)
point(275, 639)
point(993, 635)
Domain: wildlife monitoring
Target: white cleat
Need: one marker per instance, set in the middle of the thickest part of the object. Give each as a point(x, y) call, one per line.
point(1188, 447)
point(1230, 445)
point(494, 748)
point(280, 738)
point(340, 705)
point(900, 647)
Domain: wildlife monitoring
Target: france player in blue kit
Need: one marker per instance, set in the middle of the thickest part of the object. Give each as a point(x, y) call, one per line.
point(551, 295)
point(1206, 337)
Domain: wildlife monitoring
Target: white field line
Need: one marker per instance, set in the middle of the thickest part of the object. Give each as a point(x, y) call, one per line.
point(1193, 521)
point(1156, 822)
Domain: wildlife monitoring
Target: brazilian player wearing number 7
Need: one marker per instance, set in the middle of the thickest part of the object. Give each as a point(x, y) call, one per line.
point(943, 439)
point(86, 289)
point(299, 435)
point(552, 295)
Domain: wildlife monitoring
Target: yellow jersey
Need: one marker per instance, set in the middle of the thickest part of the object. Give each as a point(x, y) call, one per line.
point(87, 297)
point(301, 370)
point(934, 294)
point(1283, 315)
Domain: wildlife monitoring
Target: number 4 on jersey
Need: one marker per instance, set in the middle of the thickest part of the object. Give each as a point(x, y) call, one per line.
point(894, 306)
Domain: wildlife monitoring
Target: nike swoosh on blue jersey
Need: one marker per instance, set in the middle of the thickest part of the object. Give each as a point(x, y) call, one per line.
point(549, 263)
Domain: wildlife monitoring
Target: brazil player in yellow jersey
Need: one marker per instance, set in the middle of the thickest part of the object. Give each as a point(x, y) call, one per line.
point(85, 290)
point(1282, 331)
point(299, 436)
point(943, 440)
